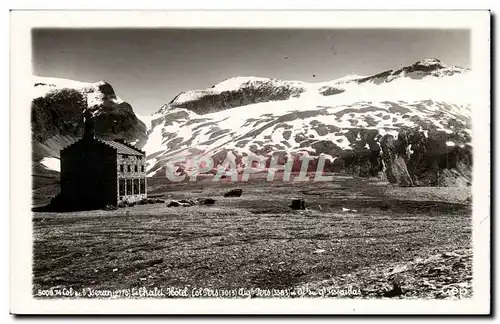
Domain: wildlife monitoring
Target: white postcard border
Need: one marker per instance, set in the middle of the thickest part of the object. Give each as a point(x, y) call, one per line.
point(22, 301)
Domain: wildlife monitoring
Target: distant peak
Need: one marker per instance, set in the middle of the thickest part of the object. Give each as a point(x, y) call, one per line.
point(349, 78)
point(236, 82)
point(429, 61)
point(435, 64)
point(244, 79)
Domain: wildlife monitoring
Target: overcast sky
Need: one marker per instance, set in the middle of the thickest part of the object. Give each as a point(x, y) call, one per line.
point(149, 67)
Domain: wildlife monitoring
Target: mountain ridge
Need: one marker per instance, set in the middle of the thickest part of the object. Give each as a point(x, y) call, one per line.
point(405, 124)
point(351, 124)
point(209, 100)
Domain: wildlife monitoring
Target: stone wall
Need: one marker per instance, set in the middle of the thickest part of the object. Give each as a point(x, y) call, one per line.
point(124, 164)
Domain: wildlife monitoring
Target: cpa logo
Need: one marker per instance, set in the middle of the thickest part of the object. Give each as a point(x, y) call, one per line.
point(456, 292)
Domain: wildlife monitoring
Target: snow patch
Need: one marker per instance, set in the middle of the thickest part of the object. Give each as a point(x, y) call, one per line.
point(52, 163)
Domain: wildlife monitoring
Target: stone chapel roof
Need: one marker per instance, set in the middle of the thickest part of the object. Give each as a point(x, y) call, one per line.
point(122, 148)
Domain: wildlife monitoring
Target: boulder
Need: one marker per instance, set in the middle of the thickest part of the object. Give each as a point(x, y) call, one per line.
point(207, 201)
point(188, 202)
point(298, 204)
point(173, 203)
point(180, 203)
point(234, 193)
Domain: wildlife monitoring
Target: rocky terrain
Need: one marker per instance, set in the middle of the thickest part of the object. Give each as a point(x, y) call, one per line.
point(354, 233)
point(446, 275)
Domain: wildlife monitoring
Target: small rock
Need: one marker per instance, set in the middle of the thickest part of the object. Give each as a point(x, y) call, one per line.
point(187, 202)
point(436, 270)
point(111, 207)
point(395, 291)
point(457, 265)
point(208, 201)
point(385, 207)
point(173, 203)
point(429, 285)
point(398, 269)
point(180, 203)
point(451, 255)
point(115, 269)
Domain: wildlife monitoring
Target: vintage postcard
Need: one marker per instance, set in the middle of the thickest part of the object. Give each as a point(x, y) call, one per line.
point(250, 162)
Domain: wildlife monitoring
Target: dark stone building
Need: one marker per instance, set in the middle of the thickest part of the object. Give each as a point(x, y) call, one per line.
point(97, 172)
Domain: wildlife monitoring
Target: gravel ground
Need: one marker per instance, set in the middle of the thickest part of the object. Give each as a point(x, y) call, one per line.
point(384, 246)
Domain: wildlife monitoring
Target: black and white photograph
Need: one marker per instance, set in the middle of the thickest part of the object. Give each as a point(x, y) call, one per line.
point(315, 165)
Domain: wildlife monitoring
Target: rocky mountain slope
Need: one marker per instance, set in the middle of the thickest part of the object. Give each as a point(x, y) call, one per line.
point(410, 125)
point(56, 116)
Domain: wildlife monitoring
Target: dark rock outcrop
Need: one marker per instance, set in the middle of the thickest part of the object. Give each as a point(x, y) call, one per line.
point(417, 70)
point(59, 113)
point(57, 120)
point(394, 157)
point(330, 91)
point(251, 92)
point(416, 160)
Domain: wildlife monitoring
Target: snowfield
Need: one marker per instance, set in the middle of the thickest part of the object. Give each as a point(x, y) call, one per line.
point(52, 163)
point(296, 124)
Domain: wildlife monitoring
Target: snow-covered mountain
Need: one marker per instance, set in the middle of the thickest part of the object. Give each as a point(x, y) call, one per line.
point(413, 122)
point(241, 91)
point(56, 116)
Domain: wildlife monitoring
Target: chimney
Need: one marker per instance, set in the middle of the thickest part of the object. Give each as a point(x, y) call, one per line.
point(88, 119)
